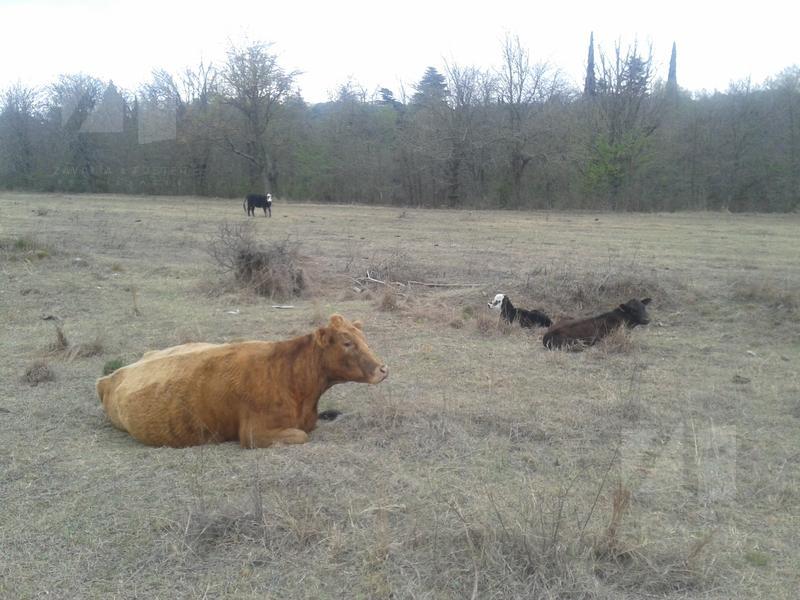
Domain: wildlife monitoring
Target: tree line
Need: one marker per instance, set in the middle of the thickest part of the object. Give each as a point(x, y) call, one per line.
point(519, 136)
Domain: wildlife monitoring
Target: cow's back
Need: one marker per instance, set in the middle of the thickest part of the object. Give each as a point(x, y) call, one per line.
point(181, 396)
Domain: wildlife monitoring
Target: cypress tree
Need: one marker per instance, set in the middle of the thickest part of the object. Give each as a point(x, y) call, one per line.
point(672, 78)
point(590, 87)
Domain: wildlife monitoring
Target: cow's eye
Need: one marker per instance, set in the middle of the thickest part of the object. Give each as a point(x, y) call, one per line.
point(347, 344)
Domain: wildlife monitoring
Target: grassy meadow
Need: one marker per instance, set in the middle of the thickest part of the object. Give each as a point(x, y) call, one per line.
point(663, 463)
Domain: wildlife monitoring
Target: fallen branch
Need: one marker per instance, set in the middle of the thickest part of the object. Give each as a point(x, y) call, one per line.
point(373, 280)
point(445, 284)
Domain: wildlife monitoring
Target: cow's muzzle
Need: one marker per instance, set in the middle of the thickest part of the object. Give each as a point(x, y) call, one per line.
point(379, 374)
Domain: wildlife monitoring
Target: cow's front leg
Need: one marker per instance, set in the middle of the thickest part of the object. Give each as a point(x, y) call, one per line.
point(253, 437)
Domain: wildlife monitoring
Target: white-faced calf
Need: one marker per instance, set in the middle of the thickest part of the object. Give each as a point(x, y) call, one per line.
point(526, 318)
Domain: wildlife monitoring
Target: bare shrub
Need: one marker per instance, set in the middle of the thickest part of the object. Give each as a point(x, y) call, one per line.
point(271, 270)
point(38, 372)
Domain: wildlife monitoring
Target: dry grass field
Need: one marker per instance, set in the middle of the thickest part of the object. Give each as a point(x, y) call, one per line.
point(661, 464)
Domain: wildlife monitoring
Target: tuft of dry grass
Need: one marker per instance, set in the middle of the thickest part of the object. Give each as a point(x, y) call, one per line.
point(61, 343)
point(768, 293)
point(618, 341)
point(485, 324)
point(38, 372)
point(24, 248)
point(456, 323)
point(401, 267)
point(85, 349)
point(63, 348)
point(389, 301)
point(562, 288)
point(610, 545)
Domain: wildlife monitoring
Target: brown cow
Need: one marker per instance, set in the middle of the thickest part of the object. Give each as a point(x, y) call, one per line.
point(254, 392)
point(577, 333)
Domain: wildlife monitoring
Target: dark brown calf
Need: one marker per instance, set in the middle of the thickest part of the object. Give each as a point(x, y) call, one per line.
point(589, 331)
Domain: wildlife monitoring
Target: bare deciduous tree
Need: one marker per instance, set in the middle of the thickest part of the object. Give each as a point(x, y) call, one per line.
point(255, 85)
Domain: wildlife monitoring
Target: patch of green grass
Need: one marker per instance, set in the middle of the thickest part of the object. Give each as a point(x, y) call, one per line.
point(113, 365)
point(756, 558)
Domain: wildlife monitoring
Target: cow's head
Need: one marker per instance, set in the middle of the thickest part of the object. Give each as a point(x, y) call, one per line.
point(345, 354)
point(497, 302)
point(636, 311)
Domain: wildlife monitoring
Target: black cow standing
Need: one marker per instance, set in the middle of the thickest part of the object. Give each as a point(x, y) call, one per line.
point(254, 201)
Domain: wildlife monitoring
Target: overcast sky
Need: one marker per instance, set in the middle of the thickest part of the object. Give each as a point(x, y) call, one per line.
point(386, 44)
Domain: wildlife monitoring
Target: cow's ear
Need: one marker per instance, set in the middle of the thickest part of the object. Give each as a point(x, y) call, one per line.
point(322, 336)
point(358, 325)
point(336, 321)
point(646, 301)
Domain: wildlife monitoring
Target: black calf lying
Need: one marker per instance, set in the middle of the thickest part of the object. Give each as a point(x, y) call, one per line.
point(588, 331)
point(526, 318)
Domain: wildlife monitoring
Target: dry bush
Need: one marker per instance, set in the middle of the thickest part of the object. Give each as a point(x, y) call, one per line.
point(38, 372)
point(272, 270)
point(538, 538)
